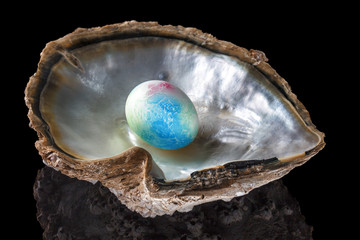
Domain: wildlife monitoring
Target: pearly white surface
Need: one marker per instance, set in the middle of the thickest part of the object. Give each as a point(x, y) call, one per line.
point(242, 115)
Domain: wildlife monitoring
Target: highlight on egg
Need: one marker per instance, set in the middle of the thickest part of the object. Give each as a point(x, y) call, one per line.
point(162, 115)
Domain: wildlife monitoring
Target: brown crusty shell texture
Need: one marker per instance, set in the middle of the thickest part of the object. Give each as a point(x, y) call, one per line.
point(127, 174)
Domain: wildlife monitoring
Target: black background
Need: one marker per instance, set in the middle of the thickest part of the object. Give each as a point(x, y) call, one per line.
point(300, 41)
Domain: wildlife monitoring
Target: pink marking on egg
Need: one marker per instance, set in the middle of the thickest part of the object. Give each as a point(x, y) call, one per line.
point(157, 87)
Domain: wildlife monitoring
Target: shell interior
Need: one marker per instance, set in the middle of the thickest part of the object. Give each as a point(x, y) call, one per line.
point(242, 115)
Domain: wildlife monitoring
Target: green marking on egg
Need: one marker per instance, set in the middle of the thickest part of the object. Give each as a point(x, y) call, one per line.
point(162, 115)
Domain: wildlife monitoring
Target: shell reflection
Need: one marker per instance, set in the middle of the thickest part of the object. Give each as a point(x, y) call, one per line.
point(93, 212)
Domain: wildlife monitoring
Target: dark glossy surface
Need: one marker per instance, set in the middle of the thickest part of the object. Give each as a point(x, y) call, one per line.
point(290, 36)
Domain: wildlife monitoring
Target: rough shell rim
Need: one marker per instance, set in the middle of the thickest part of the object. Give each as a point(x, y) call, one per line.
point(179, 195)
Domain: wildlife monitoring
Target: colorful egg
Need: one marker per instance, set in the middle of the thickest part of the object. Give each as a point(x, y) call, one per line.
point(162, 115)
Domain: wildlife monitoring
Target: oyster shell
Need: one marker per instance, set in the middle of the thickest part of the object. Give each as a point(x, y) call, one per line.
point(252, 130)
